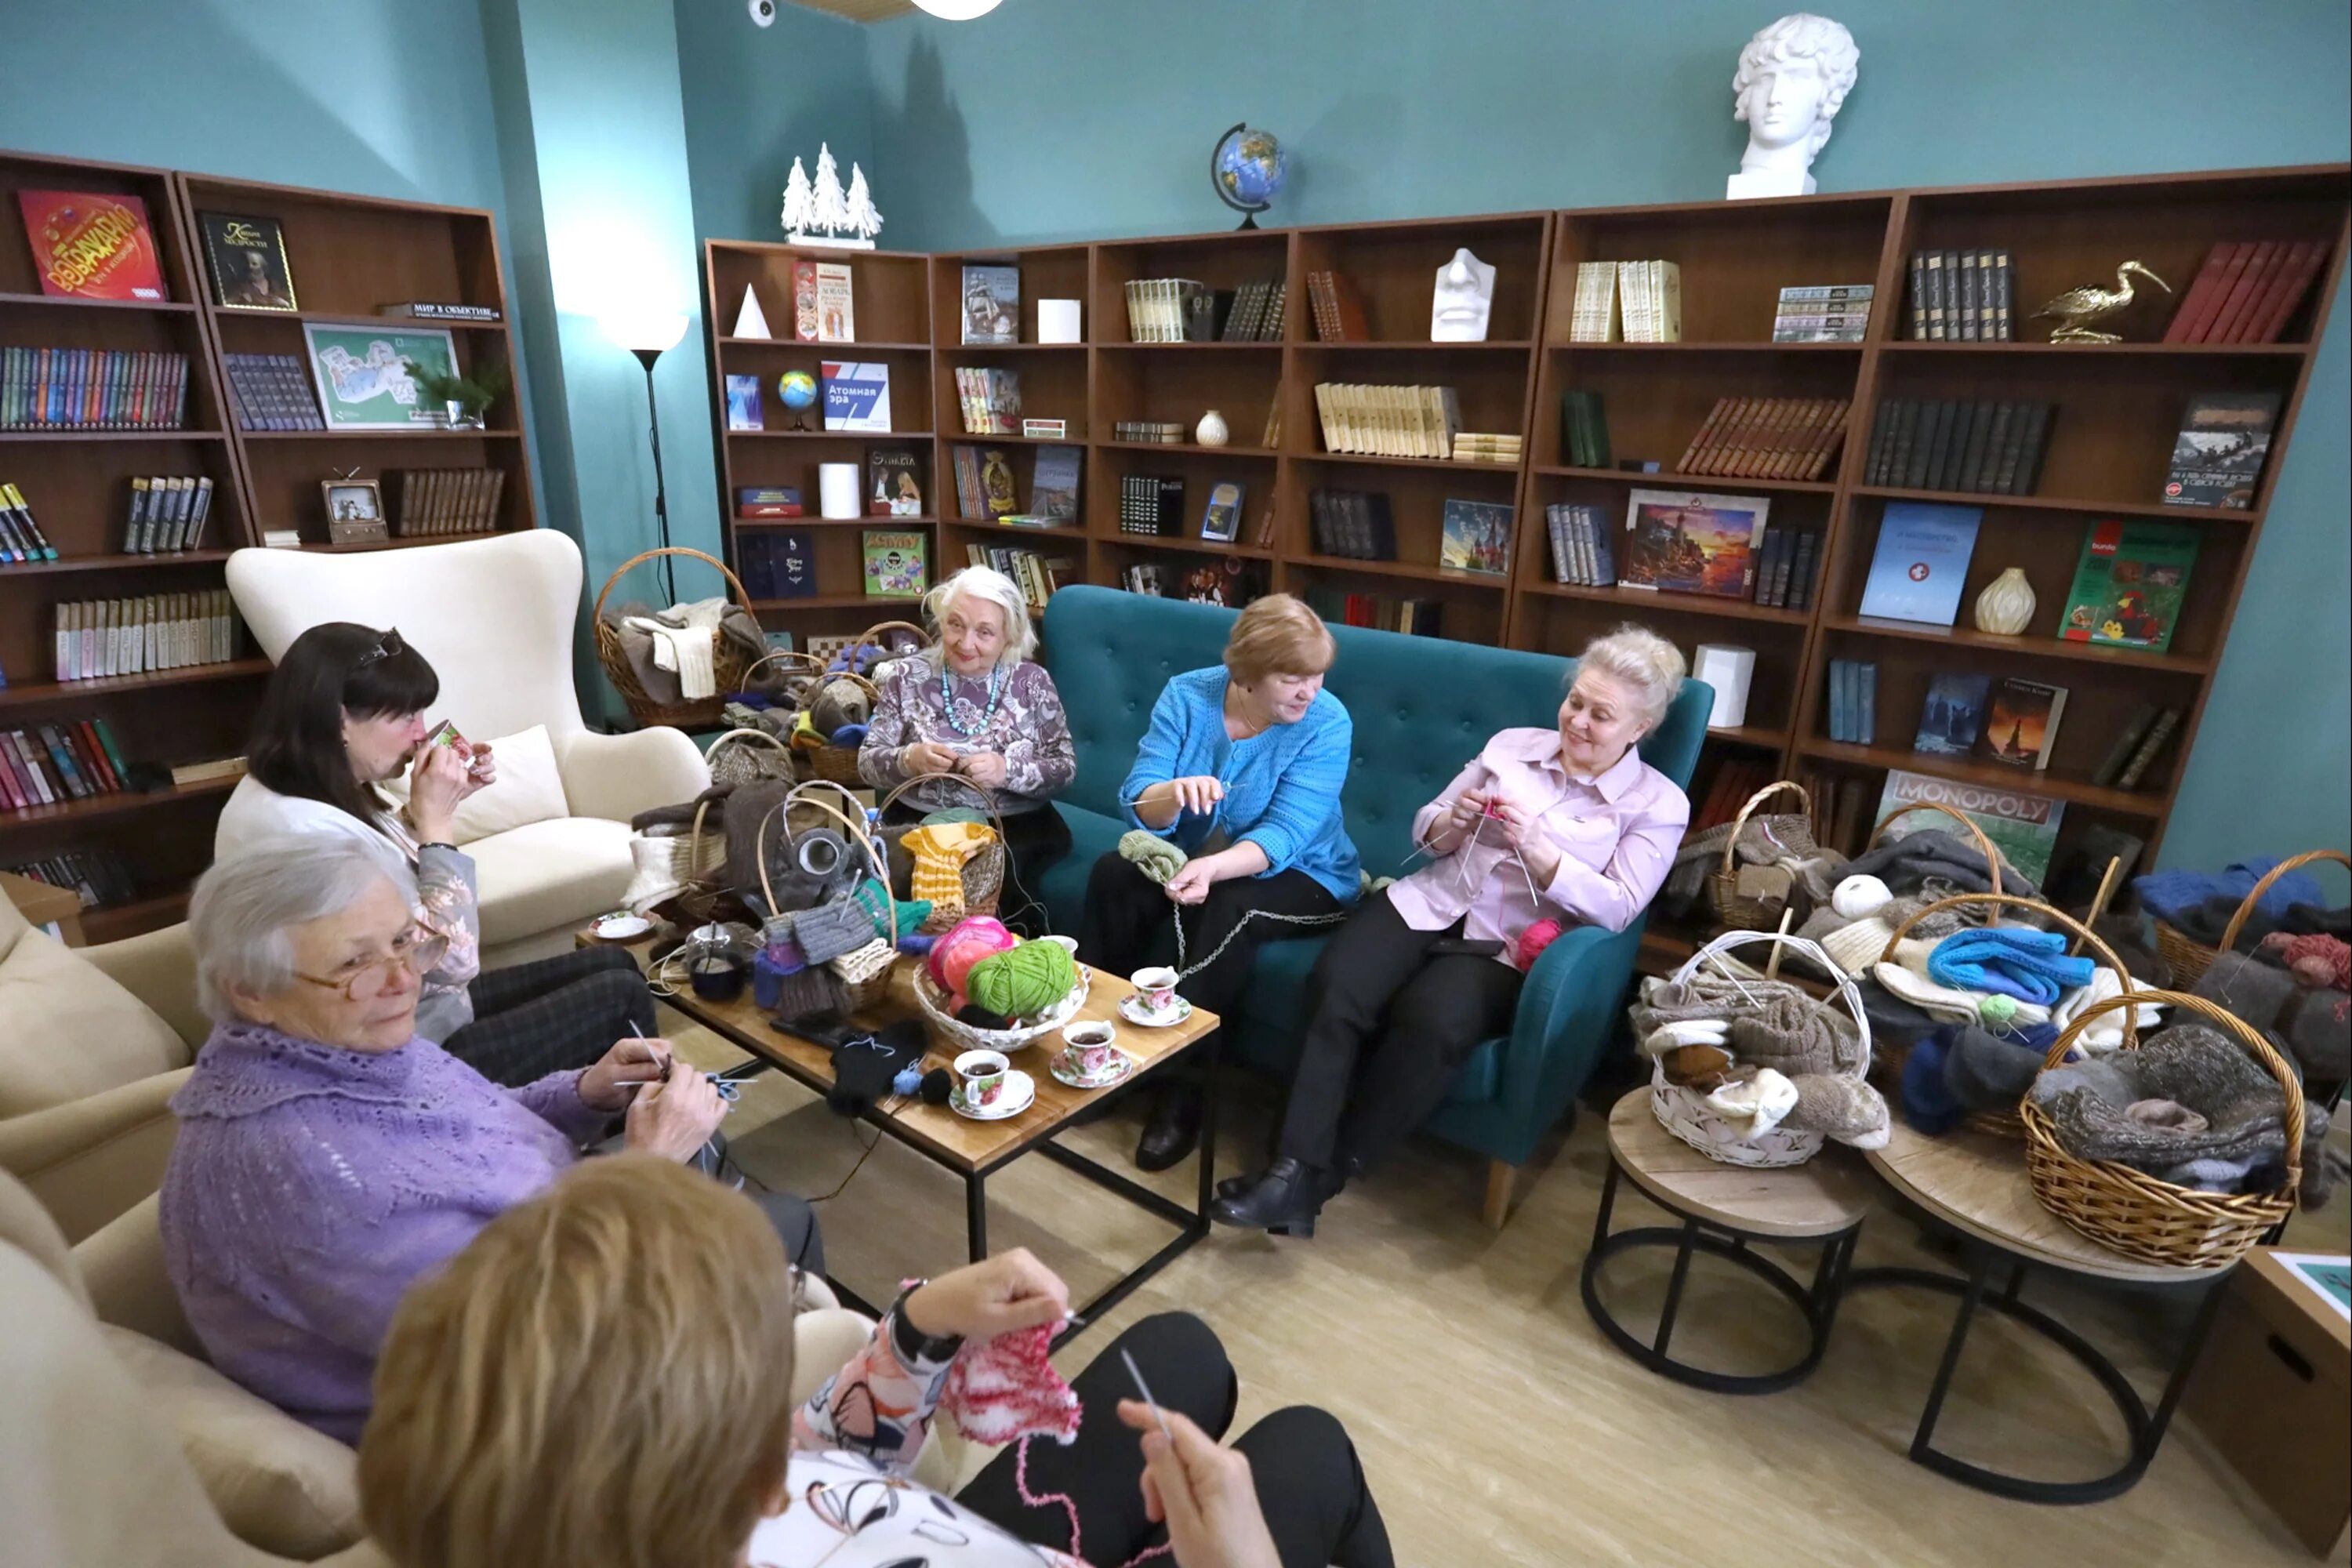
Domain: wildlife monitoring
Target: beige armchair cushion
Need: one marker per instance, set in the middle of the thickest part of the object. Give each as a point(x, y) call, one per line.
point(68, 1031)
point(546, 875)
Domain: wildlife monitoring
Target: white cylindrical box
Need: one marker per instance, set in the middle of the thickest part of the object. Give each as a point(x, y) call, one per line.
point(1057, 322)
point(1728, 669)
point(837, 489)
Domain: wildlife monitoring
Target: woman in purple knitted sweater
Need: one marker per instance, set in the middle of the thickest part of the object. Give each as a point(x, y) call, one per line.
point(327, 1155)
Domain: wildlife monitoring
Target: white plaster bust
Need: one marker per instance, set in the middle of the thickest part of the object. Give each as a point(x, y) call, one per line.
point(1463, 299)
point(1792, 79)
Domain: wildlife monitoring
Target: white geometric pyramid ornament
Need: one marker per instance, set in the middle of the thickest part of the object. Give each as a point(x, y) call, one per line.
point(750, 321)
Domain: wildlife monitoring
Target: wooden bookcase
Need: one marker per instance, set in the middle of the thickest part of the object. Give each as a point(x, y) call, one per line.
point(2119, 409)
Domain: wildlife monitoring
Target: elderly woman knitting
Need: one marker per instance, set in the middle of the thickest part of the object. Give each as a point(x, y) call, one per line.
point(975, 705)
point(1251, 755)
point(327, 1155)
point(1543, 829)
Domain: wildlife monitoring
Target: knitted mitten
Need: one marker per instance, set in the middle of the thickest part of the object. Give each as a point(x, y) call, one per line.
point(1845, 1109)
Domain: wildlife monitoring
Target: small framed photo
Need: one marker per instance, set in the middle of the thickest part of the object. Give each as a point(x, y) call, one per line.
point(353, 500)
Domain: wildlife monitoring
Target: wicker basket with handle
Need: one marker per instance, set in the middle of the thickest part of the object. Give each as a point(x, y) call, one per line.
point(984, 874)
point(748, 756)
point(2140, 1216)
point(1732, 908)
point(1984, 845)
point(2190, 958)
point(728, 661)
point(825, 761)
point(870, 982)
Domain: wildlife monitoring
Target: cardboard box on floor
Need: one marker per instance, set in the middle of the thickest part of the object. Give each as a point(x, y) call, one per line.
point(2271, 1394)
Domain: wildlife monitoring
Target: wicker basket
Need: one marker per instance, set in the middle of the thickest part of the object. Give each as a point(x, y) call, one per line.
point(1732, 908)
point(825, 761)
point(867, 983)
point(728, 661)
point(826, 649)
point(984, 873)
point(936, 1004)
point(2133, 1213)
point(2009, 1124)
point(706, 897)
point(2190, 958)
point(749, 756)
point(1984, 845)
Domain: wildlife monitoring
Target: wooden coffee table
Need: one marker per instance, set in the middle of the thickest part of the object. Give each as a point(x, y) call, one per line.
point(976, 1150)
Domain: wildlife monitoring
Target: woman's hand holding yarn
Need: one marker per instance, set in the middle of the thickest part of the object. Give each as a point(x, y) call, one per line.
point(1192, 884)
point(926, 757)
point(983, 768)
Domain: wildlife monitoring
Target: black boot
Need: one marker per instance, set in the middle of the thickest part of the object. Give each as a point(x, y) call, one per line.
point(1172, 1132)
point(1284, 1199)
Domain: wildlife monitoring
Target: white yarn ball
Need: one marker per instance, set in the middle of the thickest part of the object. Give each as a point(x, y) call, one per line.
point(1859, 896)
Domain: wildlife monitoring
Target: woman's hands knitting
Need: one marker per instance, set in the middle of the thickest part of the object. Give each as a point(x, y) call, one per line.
point(673, 1118)
point(926, 757)
point(629, 1066)
point(985, 769)
point(1519, 829)
point(996, 1296)
point(1202, 1493)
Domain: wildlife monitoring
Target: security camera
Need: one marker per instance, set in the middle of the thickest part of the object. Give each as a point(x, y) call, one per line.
point(763, 13)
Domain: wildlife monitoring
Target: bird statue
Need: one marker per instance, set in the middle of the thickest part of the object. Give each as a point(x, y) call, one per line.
point(2076, 308)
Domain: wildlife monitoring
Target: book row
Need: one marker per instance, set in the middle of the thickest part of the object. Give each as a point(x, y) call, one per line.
point(167, 515)
point(1156, 432)
point(49, 764)
point(1035, 574)
point(271, 392)
point(987, 491)
point(1230, 583)
point(445, 501)
point(990, 400)
point(1966, 295)
point(1767, 438)
point(1170, 310)
point(99, 876)
point(92, 389)
point(1932, 444)
point(21, 538)
point(1389, 421)
point(1627, 301)
point(1823, 313)
point(1337, 308)
point(2247, 292)
point(2008, 719)
point(1413, 618)
point(1853, 701)
point(100, 638)
point(1774, 567)
point(1255, 312)
point(1582, 552)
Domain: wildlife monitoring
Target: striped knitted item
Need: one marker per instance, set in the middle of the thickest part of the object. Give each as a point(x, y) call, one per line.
point(939, 852)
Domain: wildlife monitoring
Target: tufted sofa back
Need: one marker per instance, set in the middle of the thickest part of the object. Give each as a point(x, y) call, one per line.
point(1421, 706)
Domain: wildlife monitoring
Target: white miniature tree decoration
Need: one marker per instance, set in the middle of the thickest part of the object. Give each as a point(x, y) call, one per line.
point(796, 200)
point(827, 211)
point(864, 221)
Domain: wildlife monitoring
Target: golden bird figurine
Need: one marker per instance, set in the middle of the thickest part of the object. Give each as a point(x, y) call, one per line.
point(2076, 308)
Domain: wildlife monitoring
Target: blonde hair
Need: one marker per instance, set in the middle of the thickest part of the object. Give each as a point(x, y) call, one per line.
point(599, 1380)
point(994, 586)
point(1279, 635)
point(1640, 658)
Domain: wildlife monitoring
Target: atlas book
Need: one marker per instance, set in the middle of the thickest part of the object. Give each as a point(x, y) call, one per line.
point(895, 564)
point(2022, 826)
point(743, 409)
point(1692, 544)
point(247, 259)
point(1478, 537)
point(90, 246)
point(2218, 457)
point(991, 304)
point(2130, 582)
point(1953, 715)
point(1921, 561)
point(893, 483)
point(2021, 723)
point(857, 395)
point(767, 501)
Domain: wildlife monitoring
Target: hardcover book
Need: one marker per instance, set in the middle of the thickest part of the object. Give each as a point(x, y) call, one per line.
point(743, 408)
point(2022, 826)
point(1921, 561)
point(247, 258)
point(991, 304)
point(1478, 537)
point(91, 246)
point(2218, 457)
point(804, 318)
point(2021, 723)
point(836, 305)
point(857, 395)
point(997, 492)
point(1222, 519)
point(2130, 582)
point(791, 563)
point(1953, 715)
point(895, 566)
point(894, 484)
point(1054, 483)
point(1688, 543)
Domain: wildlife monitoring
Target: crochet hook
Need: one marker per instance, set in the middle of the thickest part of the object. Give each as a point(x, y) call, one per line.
point(1144, 1389)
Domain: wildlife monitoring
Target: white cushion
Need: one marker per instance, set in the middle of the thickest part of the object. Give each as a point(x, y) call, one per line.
point(530, 788)
point(68, 1030)
point(548, 874)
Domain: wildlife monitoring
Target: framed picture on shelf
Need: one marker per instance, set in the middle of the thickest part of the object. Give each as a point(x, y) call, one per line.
point(363, 377)
point(1223, 517)
point(247, 259)
point(1688, 543)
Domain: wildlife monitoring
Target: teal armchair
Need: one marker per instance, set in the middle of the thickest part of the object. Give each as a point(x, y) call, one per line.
point(1422, 706)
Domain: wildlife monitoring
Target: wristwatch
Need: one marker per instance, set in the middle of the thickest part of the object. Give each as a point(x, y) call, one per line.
point(911, 1343)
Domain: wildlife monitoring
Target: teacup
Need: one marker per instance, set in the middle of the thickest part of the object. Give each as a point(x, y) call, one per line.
point(1156, 988)
point(1089, 1049)
point(981, 1074)
point(1069, 944)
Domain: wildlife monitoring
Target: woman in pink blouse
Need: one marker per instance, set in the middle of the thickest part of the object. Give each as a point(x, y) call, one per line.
point(1568, 824)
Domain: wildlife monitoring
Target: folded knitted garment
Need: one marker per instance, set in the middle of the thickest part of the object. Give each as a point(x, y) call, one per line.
point(1772, 1022)
point(2010, 961)
point(1927, 1104)
point(1847, 1110)
point(2314, 1025)
point(832, 928)
point(1756, 1104)
point(2174, 896)
point(2106, 1032)
point(1985, 1071)
point(1909, 863)
point(1953, 1005)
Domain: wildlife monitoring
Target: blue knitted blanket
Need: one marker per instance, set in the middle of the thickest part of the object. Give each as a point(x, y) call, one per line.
point(2010, 961)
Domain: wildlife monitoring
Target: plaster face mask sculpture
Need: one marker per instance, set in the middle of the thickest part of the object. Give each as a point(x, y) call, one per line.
point(1464, 300)
point(1793, 77)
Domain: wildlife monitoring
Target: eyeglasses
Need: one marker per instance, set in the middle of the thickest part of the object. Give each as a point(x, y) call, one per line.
point(386, 646)
point(365, 979)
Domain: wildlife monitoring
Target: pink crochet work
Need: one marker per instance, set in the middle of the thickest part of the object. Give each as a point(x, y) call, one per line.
point(1006, 1387)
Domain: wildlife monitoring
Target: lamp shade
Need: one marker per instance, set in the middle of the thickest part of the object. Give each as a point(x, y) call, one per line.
point(644, 328)
point(958, 10)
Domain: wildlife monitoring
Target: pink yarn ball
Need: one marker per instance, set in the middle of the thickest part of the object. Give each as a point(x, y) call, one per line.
point(965, 943)
point(1533, 940)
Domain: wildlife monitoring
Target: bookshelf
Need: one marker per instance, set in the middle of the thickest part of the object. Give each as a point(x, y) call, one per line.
point(2119, 408)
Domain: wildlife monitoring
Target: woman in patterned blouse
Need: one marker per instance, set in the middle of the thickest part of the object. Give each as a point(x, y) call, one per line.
point(974, 704)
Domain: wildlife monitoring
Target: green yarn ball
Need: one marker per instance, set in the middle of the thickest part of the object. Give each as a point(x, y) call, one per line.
point(1158, 858)
point(1997, 1010)
point(952, 814)
point(1023, 981)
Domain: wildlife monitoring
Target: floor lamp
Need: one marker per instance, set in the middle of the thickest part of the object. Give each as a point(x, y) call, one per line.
point(649, 337)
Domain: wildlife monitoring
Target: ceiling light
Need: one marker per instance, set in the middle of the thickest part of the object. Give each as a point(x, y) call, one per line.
point(958, 10)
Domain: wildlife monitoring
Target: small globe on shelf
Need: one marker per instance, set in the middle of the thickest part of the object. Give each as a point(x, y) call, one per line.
point(1247, 168)
point(797, 388)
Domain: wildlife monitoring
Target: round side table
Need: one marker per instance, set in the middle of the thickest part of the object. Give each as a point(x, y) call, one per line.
point(1723, 1208)
point(1977, 1184)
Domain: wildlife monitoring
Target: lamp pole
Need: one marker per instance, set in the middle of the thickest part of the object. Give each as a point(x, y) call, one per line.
point(647, 356)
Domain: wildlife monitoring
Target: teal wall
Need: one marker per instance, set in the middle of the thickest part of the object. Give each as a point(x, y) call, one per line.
point(1076, 118)
point(758, 97)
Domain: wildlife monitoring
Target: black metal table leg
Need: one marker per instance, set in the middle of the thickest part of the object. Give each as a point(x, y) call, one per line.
point(975, 1214)
point(1675, 1284)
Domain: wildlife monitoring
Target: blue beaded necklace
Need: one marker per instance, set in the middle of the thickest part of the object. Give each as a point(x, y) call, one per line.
point(947, 701)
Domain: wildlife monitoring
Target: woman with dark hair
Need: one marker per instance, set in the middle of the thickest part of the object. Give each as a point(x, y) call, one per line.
point(345, 713)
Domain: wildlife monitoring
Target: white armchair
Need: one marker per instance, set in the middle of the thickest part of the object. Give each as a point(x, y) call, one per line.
point(497, 618)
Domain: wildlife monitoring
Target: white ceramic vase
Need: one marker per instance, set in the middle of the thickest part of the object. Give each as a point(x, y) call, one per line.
point(2005, 606)
point(1212, 431)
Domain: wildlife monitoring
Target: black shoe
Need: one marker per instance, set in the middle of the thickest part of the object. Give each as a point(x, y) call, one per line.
point(1173, 1131)
point(1284, 1199)
point(1235, 1186)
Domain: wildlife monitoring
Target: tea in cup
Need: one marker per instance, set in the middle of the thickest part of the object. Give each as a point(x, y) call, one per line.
point(1156, 988)
point(981, 1076)
point(1089, 1049)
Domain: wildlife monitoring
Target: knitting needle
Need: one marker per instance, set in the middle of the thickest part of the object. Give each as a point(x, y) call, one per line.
point(1145, 1389)
point(1772, 964)
point(2099, 904)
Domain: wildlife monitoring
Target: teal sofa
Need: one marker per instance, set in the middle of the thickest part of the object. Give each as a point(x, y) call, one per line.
point(1422, 706)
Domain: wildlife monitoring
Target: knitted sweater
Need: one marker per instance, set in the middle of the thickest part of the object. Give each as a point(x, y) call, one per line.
point(1026, 727)
point(309, 1185)
point(1282, 785)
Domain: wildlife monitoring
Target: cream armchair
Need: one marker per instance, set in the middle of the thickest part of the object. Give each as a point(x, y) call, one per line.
point(497, 618)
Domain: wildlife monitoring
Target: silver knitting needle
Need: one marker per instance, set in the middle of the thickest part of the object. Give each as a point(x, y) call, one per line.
point(1144, 1388)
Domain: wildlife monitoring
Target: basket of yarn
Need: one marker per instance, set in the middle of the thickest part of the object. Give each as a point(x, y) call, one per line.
point(1756, 1072)
point(749, 756)
point(728, 660)
point(859, 944)
point(959, 865)
point(1034, 986)
point(831, 727)
point(2190, 958)
point(1748, 910)
point(2141, 1216)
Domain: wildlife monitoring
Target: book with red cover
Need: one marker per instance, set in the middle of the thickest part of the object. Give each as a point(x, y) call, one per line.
point(2242, 290)
point(2292, 281)
point(94, 245)
point(2203, 295)
point(103, 766)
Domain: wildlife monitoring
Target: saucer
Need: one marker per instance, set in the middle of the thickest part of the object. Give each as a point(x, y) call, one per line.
point(1020, 1094)
point(621, 927)
point(1131, 1008)
point(1116, 1073)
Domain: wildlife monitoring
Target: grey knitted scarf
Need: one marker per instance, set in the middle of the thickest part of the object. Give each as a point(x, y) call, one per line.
point(2245, 1111)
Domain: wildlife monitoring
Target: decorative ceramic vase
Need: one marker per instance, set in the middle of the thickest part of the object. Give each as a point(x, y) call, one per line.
point(2005, 606)
point(1212, 431)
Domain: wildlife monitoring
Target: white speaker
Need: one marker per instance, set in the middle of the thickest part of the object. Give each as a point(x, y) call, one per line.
point(1728, 669)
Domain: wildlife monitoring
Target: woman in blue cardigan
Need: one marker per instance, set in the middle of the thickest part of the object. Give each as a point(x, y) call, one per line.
point(1241, 769)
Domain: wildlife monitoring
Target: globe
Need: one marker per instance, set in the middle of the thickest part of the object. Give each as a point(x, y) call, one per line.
point(797, 388)
point(1247, 169)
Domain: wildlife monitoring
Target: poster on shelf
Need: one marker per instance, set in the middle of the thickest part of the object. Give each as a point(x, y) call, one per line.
point(363, 377)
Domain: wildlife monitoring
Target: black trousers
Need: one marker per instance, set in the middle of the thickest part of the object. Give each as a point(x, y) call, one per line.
point(1391, 1025)
point(552, 1015)
point(1035, 841)
point(1130, 923)
point(1309, 1483)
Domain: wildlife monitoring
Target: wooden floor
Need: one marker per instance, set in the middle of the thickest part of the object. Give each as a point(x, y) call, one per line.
point(1498, 1428)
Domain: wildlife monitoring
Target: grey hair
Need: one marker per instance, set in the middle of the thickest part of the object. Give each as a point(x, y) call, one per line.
point(1020, 633)
point(1638, 657)
point(238, 916)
